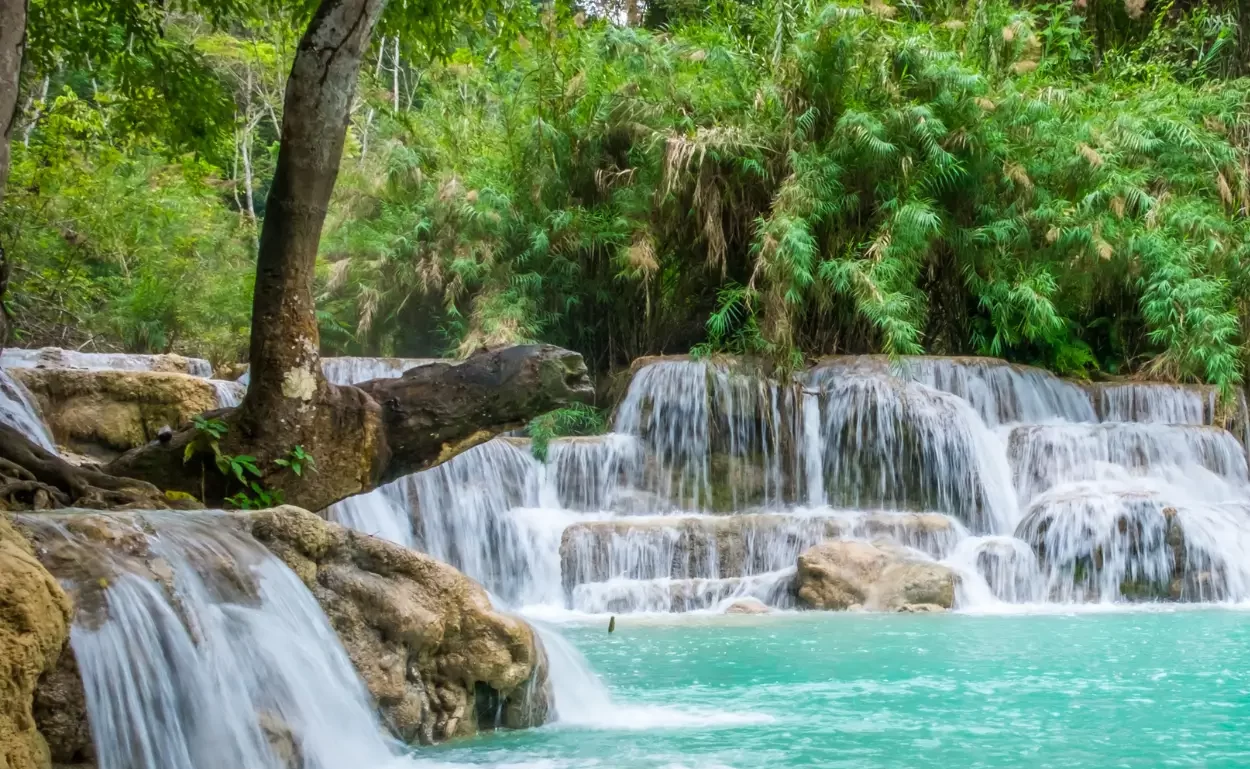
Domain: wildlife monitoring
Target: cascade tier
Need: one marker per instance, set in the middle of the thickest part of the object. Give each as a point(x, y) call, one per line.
point(718, 477)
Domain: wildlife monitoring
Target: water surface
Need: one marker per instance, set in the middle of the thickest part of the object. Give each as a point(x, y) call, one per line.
point(1119, 689)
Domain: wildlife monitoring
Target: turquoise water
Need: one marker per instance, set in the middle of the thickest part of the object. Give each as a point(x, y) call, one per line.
point(1140, 689)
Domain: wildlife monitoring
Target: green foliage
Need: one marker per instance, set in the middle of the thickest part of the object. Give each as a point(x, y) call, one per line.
point(1060, 183)
point(578, 419)
point(256, 498)
point(243, 469)
point(297, 460)
point(214, 429)
point(795, 179)
point(117, 242)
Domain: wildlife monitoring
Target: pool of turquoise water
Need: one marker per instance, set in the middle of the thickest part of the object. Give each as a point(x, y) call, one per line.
point(1120, 689)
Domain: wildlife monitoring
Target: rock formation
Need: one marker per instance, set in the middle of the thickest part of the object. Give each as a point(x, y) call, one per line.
point(103, 413)
point(34, 625)
point(730, 545)
point(748, 606)
point(845, 574)
point(438, 659)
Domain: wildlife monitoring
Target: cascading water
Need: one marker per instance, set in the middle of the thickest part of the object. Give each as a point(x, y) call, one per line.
point(17, 410)
point(1153, 402)
point(55, 357)
point(1000, 393)
point(716, 477)
point(208, 651)
point(347, 370)
point(907, 446)
point(229, 394)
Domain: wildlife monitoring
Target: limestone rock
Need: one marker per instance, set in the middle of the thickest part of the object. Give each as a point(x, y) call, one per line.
point(104, 413)
point(34, 626)
point(879, 576)
point(439, 660)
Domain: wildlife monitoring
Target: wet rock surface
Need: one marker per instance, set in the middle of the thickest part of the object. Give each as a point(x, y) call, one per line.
point(34, 626)
point(437, 658)
point(103, 413)
point(877, 576)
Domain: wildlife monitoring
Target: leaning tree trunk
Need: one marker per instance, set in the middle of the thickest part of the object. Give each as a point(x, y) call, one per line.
point(12, 51)
point(280, 409)
point(380, 430)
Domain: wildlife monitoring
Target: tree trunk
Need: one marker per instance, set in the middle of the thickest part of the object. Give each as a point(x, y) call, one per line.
point(435, 411)
point(395, 77)
point(1243, 37)
point(286, 380)
point(381, 430)
point(12, 51)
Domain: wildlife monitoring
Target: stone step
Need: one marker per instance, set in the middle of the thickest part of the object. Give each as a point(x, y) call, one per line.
point(717, 547)
point(623, 596)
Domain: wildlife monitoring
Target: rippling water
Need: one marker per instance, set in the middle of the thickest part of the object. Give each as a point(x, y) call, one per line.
point(1124, 689)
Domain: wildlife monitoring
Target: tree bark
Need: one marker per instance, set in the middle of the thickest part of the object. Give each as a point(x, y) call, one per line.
point(286, 380)
point(1243, 37)
point(435, 411)
point(383, 429)
point(12, 52)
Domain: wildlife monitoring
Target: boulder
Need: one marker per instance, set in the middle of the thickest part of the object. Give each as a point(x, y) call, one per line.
point(104, 413)
point(878, 576)
point(34, 627)
point(439, 660)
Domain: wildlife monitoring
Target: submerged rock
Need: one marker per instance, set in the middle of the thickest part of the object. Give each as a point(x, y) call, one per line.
point(748, 606)
point(104, 413)
point(878, 576)
point(34, 626)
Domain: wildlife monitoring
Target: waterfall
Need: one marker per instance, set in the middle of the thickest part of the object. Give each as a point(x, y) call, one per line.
point(1043, 456)
point(994, 569)
point(383, 512)
point(1000, 393)
point(903, 445)
point(209, 652)
point(345, 370)
point(348, 370)
point(716, 477)
point(1154, 402)
point(229, 394)
point(55, 357)
point(17, 410)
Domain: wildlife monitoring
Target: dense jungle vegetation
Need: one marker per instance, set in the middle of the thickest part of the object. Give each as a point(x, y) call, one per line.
point(1062, 183)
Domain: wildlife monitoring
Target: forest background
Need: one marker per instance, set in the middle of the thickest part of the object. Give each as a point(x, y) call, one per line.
point(1059, 183)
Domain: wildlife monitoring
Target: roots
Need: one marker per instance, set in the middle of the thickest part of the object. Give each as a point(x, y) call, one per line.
point(32, 478)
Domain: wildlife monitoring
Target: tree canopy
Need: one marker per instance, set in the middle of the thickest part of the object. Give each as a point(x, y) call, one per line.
point(1056, 183)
